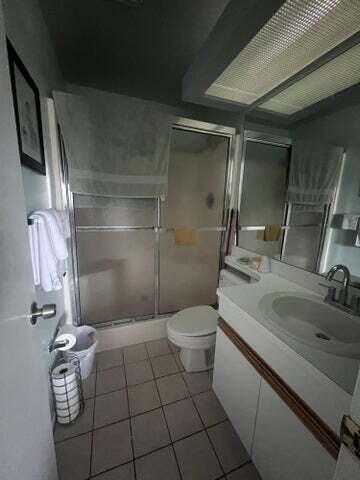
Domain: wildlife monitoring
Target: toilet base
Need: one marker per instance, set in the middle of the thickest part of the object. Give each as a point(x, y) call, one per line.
point(197, 360)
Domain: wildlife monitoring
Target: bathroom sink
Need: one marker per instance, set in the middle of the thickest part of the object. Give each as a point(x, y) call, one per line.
point(310, 320)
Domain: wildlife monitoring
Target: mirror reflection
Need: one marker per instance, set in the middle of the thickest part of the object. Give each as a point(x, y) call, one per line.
point(299, 198)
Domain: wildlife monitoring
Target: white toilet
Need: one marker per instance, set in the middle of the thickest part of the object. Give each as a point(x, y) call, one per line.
point(194, 330)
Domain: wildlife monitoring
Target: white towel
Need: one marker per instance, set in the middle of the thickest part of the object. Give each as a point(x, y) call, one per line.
point(34, 251)
point(55, 232)
point(47, 239)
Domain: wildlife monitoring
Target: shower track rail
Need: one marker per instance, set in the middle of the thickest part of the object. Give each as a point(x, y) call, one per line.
point(115, 228)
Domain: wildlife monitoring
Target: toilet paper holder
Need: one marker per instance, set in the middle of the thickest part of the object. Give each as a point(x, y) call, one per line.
point(72, 390)
point(55, 344)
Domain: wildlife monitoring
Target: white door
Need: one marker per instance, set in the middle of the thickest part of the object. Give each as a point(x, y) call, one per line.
point(26, 442)
point(348, 466)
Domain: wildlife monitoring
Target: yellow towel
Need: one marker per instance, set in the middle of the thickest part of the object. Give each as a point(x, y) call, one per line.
point(185, 236)
point(272, 233)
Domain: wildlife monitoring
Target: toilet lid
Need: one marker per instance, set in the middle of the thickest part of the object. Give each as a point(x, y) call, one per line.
point(194, 321)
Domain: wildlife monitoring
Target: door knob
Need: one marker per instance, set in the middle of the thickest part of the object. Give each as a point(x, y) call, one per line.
point(46, 311)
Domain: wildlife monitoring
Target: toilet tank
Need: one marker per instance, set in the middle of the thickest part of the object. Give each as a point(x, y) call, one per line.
point(229, 279)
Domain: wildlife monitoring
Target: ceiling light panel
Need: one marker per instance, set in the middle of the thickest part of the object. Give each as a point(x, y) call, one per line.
point(300, 32)
point(335, 76)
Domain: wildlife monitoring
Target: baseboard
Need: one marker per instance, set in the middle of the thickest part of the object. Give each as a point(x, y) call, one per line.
point(123, 335)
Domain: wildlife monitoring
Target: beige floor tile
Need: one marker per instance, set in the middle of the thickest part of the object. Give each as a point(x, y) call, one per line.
point(111, 447)
point(125, 472)
point(109, 359)
point(83, 424)
point(230, 451)
point(149, 432)
point(89, 386)
point(182, 419)
point(197, 382)
point(139, 372)
point(172, 388)
point(110, 380)
point(196, 458)
point(143, 397)
point(209, 407)
point(160, 465)
point(247, 472)
point(158, 347)
point(164, 365)
point(73, 458)
point(110, 408)
point(135, 353)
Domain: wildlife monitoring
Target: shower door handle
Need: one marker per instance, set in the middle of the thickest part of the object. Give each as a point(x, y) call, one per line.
point(46, 311)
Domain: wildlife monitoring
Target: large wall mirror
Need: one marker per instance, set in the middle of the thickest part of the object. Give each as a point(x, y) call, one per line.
point(299, 196)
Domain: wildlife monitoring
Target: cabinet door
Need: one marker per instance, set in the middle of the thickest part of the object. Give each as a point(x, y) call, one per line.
point(237, 385)
point(283, 447)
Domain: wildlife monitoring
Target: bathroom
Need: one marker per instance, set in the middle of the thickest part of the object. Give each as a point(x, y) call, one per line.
point(200, 164)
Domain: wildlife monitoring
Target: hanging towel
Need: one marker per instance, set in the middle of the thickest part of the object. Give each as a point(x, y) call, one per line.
point(185, 236)
point(272, 233)
point(48, 249)
point(34, 251)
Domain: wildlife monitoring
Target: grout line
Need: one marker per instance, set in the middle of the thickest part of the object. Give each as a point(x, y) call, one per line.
point(208, 436)
point(130, 426)
point(162, 406)
point(141, 413)
point(92, 423)
point(167, 426)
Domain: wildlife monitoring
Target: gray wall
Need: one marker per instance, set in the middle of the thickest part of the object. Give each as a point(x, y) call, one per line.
point(341, 129)
point(26, 30)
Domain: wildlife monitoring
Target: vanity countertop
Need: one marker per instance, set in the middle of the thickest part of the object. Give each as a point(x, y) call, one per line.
point(246, 297)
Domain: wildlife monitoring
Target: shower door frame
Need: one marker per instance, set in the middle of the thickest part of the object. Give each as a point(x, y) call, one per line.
point(283, 142)
point(205, 128)
point(181, 123)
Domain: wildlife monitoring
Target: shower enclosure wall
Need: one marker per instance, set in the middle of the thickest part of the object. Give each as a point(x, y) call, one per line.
point(128, 263)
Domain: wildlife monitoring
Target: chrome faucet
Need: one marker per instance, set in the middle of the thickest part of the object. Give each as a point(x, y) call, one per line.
point(353, 307)
point(343, 295)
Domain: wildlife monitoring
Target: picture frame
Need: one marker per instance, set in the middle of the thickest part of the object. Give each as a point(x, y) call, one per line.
point(26, 98)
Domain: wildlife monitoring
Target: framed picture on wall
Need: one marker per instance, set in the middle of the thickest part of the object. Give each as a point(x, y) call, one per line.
point(26, 98)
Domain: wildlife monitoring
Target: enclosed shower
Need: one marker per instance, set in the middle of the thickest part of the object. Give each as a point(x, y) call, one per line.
point(128, 263)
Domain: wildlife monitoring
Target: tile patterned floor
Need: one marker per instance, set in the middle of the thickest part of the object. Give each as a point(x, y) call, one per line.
point(147, 419)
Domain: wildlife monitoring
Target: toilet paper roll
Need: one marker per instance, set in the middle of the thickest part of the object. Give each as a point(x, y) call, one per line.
point(70, 397)
point(65, 390)
point(63, 375)
point(63, 419)
point(63, 407)
point(67, 337)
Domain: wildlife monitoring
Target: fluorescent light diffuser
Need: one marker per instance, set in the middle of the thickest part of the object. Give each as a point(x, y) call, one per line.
point(335, 76)
point(300, 32)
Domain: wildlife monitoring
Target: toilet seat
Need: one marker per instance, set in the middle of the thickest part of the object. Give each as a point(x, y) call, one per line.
point(194, 322)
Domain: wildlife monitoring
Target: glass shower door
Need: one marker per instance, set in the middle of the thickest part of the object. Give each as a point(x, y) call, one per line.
point(195, 200)
point(115, 251)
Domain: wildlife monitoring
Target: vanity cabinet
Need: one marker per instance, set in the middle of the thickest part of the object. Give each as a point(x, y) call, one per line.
point(281, 447)
point(237, 385)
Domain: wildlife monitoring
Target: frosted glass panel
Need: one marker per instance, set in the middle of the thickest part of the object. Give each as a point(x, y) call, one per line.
point(254, 241)
point(264, 184)
point(92, 211)
point(302, 246)
point(188, 274)
point(116, 274)
point(197, 174)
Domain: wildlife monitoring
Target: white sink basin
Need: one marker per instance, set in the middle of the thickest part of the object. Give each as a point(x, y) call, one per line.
point(310, 320)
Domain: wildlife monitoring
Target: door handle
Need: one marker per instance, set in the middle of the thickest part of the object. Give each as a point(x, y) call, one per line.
point(46, 311)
